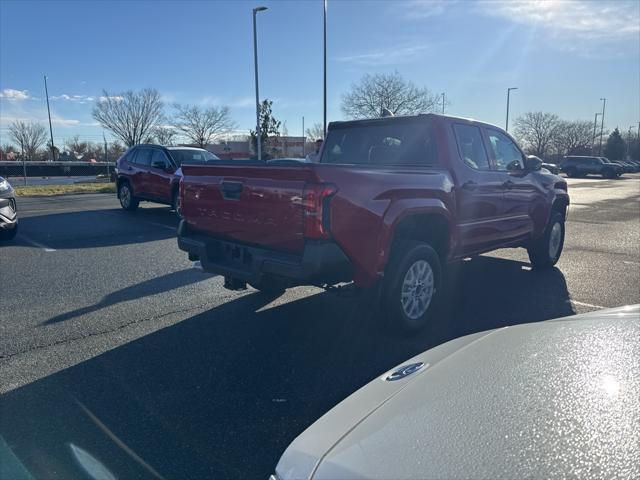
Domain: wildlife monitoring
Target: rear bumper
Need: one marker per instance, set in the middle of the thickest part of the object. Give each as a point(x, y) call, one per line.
point(321, 262)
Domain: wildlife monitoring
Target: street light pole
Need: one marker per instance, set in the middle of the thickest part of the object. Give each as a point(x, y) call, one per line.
point(508, 96)
point(255, 62)
point(53, 148)
point(604, 103)
point(324, 130)
point(595, 125)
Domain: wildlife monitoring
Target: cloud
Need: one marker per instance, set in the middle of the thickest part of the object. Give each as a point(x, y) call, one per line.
point(116, 98)
point(387, 56)
point(243, 102)
point(12, 94)
point(421, 9)
point(73, 98)
point(582, 19)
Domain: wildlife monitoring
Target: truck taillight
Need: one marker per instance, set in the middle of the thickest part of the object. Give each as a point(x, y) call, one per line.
point(315, 204)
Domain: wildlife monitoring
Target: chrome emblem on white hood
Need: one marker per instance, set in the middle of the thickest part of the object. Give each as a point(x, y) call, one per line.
point(404, 371)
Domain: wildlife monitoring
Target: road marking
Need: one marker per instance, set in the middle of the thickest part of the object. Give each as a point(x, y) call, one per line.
point(590, 305)
point(33, 243)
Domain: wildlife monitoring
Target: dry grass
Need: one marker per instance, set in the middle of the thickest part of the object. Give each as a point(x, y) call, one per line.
point(73, 189)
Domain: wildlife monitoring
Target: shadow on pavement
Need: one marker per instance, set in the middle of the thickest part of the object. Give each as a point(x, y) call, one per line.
point(97, 228)
point(147, 288)
point(221, 394)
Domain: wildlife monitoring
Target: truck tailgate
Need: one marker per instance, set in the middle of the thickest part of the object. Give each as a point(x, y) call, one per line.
point(253, 204)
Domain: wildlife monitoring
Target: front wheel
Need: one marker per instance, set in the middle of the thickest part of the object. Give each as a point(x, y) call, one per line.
point(545, 251)
point(127, 200)
point(412, 286)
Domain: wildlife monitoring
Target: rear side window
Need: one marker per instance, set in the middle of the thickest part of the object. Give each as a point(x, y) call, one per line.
point(470, 146)
point(143, 156)
point(394, 143)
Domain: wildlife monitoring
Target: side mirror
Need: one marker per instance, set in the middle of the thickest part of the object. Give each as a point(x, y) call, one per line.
point(532, 164)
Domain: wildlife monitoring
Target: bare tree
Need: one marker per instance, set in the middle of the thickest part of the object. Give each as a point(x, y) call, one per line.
point(202, 125)
point(115, 150)
point(388, 91)
point(537, 130)
point(28, 136)
point(77, 147)
point(131, 116)
point(164, 135)
point(315, 132)
point(573, 137)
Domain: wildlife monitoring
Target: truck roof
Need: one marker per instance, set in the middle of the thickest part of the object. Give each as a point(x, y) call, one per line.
point(403, 119)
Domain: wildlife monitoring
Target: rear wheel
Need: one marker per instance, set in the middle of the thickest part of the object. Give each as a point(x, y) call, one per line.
point(412, 286)
point(571, 172)
point(545, 251)
point(609, 174)
point(125, 194)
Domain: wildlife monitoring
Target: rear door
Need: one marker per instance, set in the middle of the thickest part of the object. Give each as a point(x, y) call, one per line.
point(479, 192)
point(159, 176)
point(522, 193)
point(141, 171)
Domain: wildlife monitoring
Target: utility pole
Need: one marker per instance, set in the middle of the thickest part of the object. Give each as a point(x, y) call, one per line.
point(255, 61)
point(304, 139)
point(53, 148)
point(604, 103)
point(443, 103)
point(24, 165)
point(508, 95)
point(325, 71)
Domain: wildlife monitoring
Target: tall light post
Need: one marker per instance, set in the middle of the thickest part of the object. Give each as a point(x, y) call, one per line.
point(508, 96)
point(595, 126)
point(325, 72)
point(255, 62)
point(53, 148)
point(604, 103)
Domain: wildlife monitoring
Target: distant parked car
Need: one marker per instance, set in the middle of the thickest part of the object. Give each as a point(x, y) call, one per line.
point(627, 167)
point(153, 172)
point(581, 166)
point(554, 399)
point(8, 211)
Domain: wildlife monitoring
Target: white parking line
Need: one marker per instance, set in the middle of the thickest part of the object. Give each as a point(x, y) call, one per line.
point(36, 244)
point(590, 305)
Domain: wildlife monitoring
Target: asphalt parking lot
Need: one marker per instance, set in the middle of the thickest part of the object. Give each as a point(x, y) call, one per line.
point(111, 342)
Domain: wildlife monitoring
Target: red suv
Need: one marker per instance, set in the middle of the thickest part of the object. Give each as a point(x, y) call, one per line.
point(153, 172)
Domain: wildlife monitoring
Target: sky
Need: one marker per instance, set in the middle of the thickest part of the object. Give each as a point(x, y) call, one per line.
point(564, 56)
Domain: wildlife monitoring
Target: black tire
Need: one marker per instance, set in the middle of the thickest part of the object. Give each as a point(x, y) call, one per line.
point(540, 250)
point(269, 286)
point(175, 203)
point(608, 173)
point(407, 256)
point(125, 195)
point(8, 234)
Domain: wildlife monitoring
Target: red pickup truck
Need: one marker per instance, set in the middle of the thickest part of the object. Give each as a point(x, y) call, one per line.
point(390, 202)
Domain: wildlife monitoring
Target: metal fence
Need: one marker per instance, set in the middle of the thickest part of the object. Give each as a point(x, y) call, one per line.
point(24, 171)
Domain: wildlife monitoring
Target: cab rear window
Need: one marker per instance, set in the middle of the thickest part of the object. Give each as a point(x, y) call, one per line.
point(388, 144)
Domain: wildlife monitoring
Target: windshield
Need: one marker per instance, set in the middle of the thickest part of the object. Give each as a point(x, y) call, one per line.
point(191, 156)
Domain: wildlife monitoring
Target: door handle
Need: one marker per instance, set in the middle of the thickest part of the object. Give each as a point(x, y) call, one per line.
point(470, 185)
point(508, 184)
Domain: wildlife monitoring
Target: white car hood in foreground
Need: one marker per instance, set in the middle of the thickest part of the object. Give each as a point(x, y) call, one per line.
point(548, 399)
